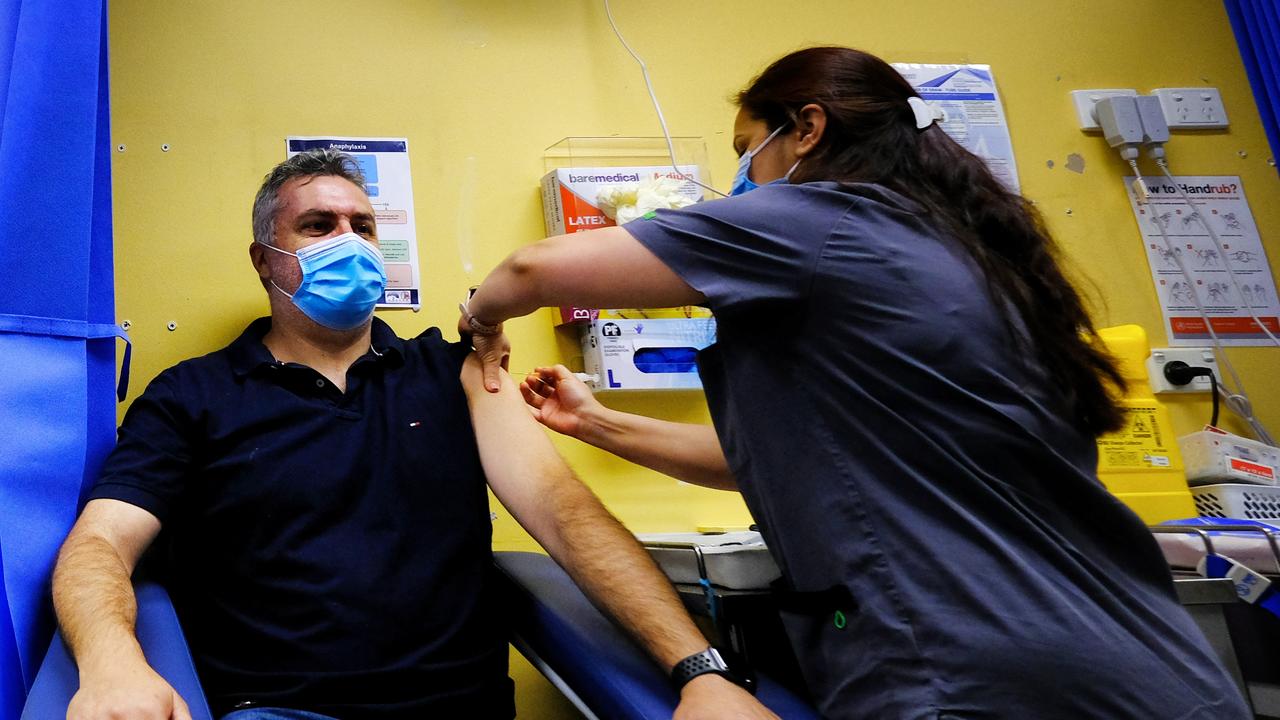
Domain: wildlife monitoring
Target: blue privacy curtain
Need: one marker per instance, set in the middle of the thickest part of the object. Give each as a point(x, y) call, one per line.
point(1257, 27)
point(57, 405)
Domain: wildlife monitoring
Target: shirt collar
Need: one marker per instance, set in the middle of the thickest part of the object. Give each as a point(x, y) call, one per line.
point(248, 352)
point(383, 341)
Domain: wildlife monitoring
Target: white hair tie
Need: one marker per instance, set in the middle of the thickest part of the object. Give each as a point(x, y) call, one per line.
point(925, 113)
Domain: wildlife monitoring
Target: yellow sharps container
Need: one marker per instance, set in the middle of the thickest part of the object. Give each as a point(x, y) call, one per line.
point(1140, 463)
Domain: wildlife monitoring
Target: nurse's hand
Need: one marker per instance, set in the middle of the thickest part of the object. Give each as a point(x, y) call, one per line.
point(711, 697)
point(559, 400)
point(494, 350)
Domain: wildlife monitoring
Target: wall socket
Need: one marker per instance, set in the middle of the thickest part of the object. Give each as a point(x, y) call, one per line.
point(1085, 100)
point(1195, 357)
point(1190, 108)
point(1183, 108)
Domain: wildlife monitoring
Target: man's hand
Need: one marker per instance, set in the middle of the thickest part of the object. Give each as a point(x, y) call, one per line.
point(711, 697)
point(130, 691)
point(559, 400)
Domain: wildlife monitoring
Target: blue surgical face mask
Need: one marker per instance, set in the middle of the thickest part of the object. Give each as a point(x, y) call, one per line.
point(742, 181)
point(342, 281)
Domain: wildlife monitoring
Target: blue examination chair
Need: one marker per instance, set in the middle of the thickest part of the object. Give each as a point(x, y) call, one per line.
point(580, 651)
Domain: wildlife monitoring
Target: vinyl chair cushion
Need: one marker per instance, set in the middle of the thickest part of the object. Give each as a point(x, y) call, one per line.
point(608, 672)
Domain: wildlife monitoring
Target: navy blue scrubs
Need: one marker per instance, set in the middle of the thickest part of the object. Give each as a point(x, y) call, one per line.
point(326, 551)
point(917, 476)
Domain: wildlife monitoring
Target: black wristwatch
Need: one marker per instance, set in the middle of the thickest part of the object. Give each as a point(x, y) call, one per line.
point(711, 661)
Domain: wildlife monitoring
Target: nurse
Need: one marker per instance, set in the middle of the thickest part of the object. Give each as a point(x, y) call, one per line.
point(906, 389)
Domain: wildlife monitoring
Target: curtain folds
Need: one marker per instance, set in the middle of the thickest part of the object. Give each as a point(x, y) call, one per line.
point(57, 314)
point(1257, 27)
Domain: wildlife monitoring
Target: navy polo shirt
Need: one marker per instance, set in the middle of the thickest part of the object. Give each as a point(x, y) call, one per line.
point(326, 551)
point(910, 463)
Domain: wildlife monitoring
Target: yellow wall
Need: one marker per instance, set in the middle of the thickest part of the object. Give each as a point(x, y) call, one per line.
point(490, 84)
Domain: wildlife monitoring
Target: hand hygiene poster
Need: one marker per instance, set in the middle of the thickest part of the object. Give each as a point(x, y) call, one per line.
point(973, 115)
point(1219, 201)
point(385, 164)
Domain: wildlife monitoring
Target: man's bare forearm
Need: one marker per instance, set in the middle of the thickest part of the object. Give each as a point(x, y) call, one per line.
point(94, 600)
point(97, 610)
point(567, 519)
point(619, 577)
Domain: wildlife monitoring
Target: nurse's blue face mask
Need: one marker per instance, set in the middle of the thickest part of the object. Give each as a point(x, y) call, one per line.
point(342, 281)
point(742, 181)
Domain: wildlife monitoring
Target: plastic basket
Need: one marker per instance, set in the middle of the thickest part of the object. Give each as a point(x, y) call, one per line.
point(1245, 502)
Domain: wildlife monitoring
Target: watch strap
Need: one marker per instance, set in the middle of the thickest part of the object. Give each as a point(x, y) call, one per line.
point(709, 661)
point(477, 327)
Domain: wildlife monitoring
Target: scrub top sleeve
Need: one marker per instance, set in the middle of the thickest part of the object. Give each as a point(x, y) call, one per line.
point(756, 249)
point(153, 453)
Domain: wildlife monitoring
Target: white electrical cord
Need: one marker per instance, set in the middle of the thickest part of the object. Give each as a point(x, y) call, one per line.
point(1238, 402)
point(1217, 243)
point(1139, 183)
point(644, 70)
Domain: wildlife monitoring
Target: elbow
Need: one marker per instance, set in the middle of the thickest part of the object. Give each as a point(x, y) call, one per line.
point(530, 273)
point(729, 483)
point(723, 480)
point(524, 265)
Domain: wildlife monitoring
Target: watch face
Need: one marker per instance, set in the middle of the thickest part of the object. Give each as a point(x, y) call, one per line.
point(737, 671)
point(716, 659)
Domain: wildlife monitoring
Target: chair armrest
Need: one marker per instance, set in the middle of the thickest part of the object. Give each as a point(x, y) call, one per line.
point(554, 621)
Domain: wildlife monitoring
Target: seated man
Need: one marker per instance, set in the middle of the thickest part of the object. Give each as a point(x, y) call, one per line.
point(315, 496)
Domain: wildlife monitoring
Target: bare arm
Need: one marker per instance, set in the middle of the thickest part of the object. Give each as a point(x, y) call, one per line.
point(534, 483)
point(685, 451)
point(597, 268)
point(96, 607)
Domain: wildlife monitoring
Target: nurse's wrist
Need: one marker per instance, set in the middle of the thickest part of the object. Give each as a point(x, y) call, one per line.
point(597, 424)
point(474, 324)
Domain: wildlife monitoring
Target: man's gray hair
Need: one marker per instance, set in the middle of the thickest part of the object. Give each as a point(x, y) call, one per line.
point(311, 163)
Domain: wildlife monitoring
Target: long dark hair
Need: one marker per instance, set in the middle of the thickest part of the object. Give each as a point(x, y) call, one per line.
point(871, 137)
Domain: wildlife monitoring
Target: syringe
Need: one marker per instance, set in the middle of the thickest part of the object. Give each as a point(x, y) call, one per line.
point(587, 378)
